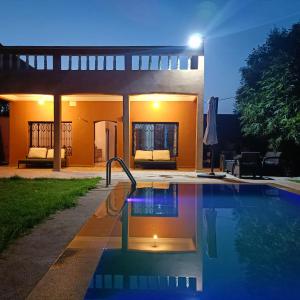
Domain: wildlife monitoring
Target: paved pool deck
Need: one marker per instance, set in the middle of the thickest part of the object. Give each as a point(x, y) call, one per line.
point(181, 175)
point(30, 263)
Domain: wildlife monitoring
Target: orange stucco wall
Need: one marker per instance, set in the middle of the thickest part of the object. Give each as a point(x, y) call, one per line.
point(183, 226)
point(82, 117)
point(86, 113)
point(175, 111)
point(4, 132)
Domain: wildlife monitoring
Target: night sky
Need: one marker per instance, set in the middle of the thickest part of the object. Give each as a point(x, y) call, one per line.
point(231, 28)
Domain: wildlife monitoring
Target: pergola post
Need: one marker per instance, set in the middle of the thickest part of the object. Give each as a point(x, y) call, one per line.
point(199, 234)
point(199, 117)
point(126, 128)
point(57, 133)
point(199, 134)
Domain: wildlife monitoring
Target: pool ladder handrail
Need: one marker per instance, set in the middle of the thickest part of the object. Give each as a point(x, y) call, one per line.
point(124, 167)
point(115, 212)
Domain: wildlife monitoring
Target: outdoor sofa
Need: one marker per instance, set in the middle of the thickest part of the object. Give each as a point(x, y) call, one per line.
point(154, 159)
point(273, 164)
point(42, 157)
point(247, 164)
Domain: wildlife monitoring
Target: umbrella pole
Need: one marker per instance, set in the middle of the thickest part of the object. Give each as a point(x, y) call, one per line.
point(212, 161)
point(210, 137)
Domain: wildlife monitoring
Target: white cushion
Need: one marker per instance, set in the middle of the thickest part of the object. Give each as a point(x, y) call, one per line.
point(37, 153)
point(161, 155)
point(63, 152)
point(161, 185)
point(143, 184)
point(50, 153)
point(143, 155)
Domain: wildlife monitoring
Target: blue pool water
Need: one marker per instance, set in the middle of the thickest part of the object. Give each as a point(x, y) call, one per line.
point(188, 241)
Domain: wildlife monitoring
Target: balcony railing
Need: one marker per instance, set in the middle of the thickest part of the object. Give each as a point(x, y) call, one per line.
point(47, 58)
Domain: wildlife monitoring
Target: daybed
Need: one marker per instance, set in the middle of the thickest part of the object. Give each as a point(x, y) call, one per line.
point(156, 159)
point(42, 157)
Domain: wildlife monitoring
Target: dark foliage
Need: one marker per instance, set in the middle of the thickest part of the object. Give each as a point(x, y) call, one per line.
point(268, 100)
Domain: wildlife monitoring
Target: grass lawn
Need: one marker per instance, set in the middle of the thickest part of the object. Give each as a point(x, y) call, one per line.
point(295, 180)
point(26, 202)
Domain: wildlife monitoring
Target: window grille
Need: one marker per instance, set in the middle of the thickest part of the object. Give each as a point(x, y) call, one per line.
point(155, 136)
point(41, 134)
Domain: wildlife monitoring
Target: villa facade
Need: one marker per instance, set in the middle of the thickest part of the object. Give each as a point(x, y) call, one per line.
point(129, 97)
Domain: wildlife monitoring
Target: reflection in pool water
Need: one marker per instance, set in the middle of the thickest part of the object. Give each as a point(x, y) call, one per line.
point(188, 241)
point(151, 202)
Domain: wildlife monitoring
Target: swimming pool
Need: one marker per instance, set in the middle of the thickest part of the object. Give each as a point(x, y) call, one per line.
point(194, 241)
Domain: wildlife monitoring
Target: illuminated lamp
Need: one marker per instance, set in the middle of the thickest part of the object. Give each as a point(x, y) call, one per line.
point(155, 237)
point(195, 41)
point(156, 104)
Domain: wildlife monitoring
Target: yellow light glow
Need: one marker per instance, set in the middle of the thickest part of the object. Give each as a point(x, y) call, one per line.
point(72, 103)
point(41, 101)
point(155, 237)
point(156, 104)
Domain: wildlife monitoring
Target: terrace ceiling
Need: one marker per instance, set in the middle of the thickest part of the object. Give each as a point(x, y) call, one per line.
point(98, 97)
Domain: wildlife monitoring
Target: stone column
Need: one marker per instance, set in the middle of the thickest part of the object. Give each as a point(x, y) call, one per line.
point(57, 133)
point(126, 128)
point(199, 234)
point(199, 117)
point(199, 134)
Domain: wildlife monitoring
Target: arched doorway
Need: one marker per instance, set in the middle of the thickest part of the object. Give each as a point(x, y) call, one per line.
point(105, 133)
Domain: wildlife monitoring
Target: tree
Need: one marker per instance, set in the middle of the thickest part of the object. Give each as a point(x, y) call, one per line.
point(268, 100)
point(267, 243)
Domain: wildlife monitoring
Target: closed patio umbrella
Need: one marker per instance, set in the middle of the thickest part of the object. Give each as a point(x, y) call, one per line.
point(211, 232)
point(210, 135)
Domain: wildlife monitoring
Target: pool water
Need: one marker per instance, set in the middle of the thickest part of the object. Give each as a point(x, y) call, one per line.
point(194, 241)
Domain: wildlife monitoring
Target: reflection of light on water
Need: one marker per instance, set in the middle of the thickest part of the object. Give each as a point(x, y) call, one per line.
point(161, 244)
point(155, 237)
point(136, 200)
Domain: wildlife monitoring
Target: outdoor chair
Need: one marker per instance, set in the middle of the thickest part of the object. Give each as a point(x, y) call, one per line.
point(273, 164)
point(227, 161)
point(247, 164)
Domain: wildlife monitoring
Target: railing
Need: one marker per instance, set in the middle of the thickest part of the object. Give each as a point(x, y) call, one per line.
point(98, 58)
point(124, 167)
point(116, 212)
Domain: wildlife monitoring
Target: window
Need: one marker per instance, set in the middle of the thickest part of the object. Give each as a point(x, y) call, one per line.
point(156, 202)
point(155, 136)
point(41, 134)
